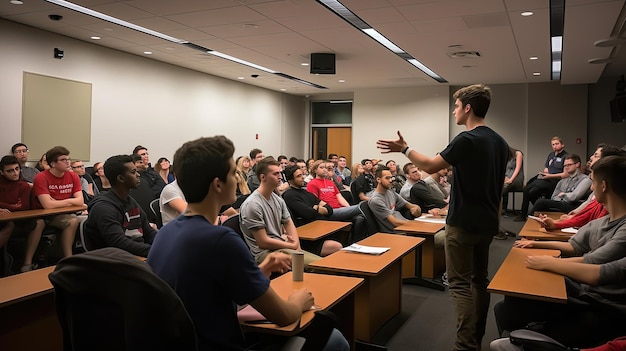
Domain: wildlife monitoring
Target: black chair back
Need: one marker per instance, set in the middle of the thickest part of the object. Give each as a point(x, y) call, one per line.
point(155, 208)
point(108, 299)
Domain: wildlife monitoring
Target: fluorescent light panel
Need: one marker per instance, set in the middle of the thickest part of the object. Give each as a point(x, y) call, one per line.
point(102, 16)
point(557, 16)
point(340, 10)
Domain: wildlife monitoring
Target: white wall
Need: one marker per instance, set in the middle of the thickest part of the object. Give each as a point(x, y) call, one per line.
point(136, 100)
point(420, 113)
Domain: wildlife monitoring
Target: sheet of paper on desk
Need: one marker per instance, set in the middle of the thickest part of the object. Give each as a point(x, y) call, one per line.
point(570, 230)
point(372, 250)
point(428, 218)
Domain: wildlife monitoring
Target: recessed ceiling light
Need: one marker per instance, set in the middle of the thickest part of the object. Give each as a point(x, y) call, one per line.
point(283, 89)
point(536, 74)
point(304, 64)
point(95, 38)
point(533, 58)
point(241, 78)
point(527, 13)
point(17, 2)
point(148, 52)
point(342, 80)
point(250, 26)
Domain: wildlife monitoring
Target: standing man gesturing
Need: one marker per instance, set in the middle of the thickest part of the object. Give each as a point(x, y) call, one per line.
point(478, 157)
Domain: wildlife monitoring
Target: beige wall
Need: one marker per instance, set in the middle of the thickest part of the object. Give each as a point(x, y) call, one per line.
point(142, 101)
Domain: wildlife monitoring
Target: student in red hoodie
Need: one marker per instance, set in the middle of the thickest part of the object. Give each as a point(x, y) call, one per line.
point(15, 196)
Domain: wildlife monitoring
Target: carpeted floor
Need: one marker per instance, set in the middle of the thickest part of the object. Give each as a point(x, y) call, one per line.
point(427, 320)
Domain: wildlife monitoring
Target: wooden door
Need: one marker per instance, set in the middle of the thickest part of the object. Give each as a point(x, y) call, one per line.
point(339, 141)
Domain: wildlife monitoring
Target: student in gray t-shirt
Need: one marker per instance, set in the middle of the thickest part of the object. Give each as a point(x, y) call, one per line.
point(386, 203)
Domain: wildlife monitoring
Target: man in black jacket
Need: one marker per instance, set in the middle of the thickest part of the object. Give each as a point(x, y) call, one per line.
point(116, 219)
point(303, 205)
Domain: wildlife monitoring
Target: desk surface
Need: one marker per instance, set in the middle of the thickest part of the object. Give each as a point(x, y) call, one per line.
point(17, 215)
point(327, 290)
point(319, 229)
point(23, 286)
point(513, 278)
point(419, 227)
point(533, 230)
point(369, 265)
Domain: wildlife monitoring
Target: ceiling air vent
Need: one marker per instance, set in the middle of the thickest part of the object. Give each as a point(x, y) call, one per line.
point(464, 54)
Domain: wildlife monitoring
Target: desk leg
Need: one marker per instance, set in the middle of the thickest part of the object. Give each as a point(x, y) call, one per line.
point(345, 311)
point(424, 253)
point(377, 300)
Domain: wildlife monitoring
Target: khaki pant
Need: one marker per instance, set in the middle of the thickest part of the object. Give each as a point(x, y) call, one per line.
point(467, 256)
point(308, 257)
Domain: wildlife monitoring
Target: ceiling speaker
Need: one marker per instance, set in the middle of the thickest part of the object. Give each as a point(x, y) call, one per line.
point(322, 63)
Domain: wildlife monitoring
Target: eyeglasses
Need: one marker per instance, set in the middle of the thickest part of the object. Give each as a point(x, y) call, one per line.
point(81, 166)
point(21, 151)
point(99, 169)
point(568, 164)
point(63, 159)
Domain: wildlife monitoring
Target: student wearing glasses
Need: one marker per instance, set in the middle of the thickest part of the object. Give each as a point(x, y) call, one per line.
point(99, 179)
point(58, 187)
point(20, 151)
point(569, 191)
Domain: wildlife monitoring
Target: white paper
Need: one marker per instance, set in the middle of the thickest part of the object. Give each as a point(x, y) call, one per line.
point(372, 250)
point(428, 218)
point(569, 230)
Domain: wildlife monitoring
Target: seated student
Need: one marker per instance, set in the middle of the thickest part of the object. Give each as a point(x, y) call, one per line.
point(303, 205)
point(514, 175)
point(398, 177)
point(115, 218)
point(343, 170)
point(15, 196)
point(20, 151)
point(209, 266)
point(439, 184)
point(596, 305)
point(365, 183)
point(58, 187)
point(265, 220)
point(385, 203)
point(79, 168)
point(590, 209)
point(172, 202)
point(413, 175)
point(99, 179)
point(569, 191)
point(149, 176)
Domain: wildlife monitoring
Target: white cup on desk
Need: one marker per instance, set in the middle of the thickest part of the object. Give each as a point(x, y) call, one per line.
point(297, 266)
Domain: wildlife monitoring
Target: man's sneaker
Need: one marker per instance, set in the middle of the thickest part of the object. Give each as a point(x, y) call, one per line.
point(502, 234)
point(444, 278)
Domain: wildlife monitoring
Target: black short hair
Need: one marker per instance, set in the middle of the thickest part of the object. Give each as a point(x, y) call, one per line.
point(365, 160)
point(53, 154)
point(289, 171)
point(198, 162)
point(16, 146)
point(380, 169)
point(8, 160)
point(611, 150)
point(139, 148)
point(478, 96)
point(255, 152)
point(115, 166)
point(331, 156)
point(136, 157)
point(575, 158)
point(282, 157)
point(293, 159)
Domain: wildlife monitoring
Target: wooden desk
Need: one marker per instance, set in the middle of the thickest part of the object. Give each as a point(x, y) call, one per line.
point(513, 278)
point(331, 292)
point(433, 260)
point(17, 215)
point(28, 319)
point(319, 229)
point(380, 296)
point(532, 230)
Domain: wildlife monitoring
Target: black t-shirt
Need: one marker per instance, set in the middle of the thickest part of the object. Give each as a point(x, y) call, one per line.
point(479, 158)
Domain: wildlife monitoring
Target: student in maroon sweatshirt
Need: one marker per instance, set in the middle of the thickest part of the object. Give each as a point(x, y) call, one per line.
point(15, 196)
